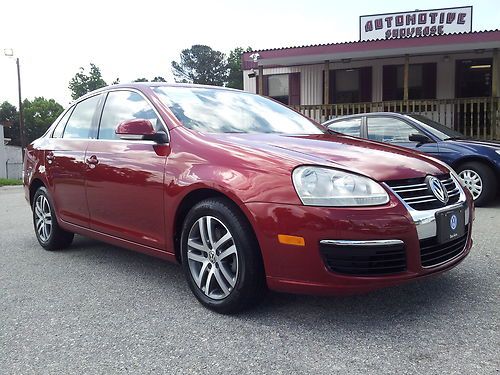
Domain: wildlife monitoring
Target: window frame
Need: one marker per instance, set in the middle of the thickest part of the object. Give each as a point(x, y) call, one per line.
point(64, 113)
point(101, 111)
point(362, 122)
point(92, 133)
point(366, 127)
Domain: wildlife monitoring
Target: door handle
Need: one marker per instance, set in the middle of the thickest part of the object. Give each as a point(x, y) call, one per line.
point(92, 161)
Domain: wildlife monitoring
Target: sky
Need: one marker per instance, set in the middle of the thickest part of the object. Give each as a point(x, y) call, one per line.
point(133, 39)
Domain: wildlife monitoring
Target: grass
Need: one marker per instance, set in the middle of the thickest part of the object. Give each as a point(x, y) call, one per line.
point(10, 182)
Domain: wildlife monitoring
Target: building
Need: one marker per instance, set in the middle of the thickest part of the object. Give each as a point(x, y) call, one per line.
point(11, 163)
point(435, 69)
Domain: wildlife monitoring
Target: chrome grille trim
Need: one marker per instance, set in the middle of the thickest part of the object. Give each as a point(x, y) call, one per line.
point(425, 220)
point(416, 193)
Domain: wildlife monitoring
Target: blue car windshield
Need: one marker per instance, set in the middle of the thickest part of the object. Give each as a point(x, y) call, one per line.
point(212, 110)
point(438, 130)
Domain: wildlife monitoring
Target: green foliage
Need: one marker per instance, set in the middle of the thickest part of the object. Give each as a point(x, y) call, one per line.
point(155, 79)
point(235, 76)
point(201, 64)
point(83, 83)
point(9, 117)
point(10, 181)
point(39, 114)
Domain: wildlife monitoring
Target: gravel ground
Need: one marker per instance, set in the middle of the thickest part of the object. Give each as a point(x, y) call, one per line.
point(96, 308)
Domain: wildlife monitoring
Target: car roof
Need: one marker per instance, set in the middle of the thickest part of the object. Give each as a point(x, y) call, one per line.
point(141, 85)
point(369, 114)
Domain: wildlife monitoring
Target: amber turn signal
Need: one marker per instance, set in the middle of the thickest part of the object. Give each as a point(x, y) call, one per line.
point(291, 240)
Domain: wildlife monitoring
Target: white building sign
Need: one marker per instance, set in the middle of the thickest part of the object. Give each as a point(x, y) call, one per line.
point(415, 24)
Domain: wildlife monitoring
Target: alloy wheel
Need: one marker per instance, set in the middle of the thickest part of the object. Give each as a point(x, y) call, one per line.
point(43, 219)
point(212, 257)
point(472, 180)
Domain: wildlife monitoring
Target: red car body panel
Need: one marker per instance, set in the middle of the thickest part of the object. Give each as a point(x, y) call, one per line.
point(131, 196)
point(125, 192)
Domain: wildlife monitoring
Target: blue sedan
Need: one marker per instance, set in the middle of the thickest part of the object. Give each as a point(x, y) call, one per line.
point(476, 162)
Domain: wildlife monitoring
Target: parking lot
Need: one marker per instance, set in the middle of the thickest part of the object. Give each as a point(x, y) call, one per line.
point(96, 308)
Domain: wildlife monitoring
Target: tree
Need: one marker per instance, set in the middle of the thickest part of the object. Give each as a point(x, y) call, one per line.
point(83, 83)
point(39, 114)
point(155, 79)
point(9, 117)
point(201, 64)
point(235, 75)
point(116, 81)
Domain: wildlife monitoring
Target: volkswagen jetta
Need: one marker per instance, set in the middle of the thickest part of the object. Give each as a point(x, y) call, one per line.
point(244, 192)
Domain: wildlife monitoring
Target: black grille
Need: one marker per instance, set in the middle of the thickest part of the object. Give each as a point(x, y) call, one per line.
point(433, 253)
point(364, 260)
point(418, 196)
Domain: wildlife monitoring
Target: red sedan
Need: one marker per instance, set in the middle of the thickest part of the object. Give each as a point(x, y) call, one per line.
point(244, 192)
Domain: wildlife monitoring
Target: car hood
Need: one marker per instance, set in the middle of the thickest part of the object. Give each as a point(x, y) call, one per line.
point(373, 159)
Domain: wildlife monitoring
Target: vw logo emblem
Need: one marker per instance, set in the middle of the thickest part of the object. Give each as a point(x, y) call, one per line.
point(438, 189)
point(453, 222)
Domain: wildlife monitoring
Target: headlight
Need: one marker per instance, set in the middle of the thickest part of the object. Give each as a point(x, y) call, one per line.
point(498, 151)
point(319, 186)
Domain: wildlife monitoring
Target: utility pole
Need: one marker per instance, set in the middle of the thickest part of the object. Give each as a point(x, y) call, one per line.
point(21, 116)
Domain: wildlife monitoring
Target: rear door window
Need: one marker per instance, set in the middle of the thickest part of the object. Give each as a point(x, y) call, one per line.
point(58, 131)
point(80, 122)
point(349, 127)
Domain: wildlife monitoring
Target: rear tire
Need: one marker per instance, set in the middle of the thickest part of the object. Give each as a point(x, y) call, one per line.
point(480, 180)
point(47, 230)
point(221, 257)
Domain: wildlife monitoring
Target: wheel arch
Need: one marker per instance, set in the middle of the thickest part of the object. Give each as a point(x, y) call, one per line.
point(196, 196)
point(34, 186)
point(474, 158)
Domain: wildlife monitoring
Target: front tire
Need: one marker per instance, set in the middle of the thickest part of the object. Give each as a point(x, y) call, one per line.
point(221, 257)
point(47, 230)
point(480, 180)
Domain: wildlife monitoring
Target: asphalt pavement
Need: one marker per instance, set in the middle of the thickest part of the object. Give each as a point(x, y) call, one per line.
point(95, 308)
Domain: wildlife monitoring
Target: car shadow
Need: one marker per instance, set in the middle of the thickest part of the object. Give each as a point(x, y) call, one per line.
point(403, 305)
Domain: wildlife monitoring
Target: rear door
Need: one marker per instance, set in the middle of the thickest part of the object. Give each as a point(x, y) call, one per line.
point(125, 190)
point(65, 160)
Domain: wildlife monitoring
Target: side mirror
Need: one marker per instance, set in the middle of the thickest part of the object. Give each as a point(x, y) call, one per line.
point(419, 138)
point(140, 129)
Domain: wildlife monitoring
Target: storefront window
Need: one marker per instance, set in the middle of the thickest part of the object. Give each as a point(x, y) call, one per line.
point(473, 78)
point(351, 85)
point(421, 81)
point(278, 87)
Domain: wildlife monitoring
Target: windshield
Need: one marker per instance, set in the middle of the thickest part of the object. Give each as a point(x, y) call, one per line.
point(437, 129)
point(212, 110)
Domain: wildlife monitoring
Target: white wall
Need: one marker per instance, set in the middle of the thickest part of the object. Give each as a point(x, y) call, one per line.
point(312, 75)
point(14, 159)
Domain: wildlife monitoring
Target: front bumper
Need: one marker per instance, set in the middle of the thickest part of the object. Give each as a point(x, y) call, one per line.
point(302, 269)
